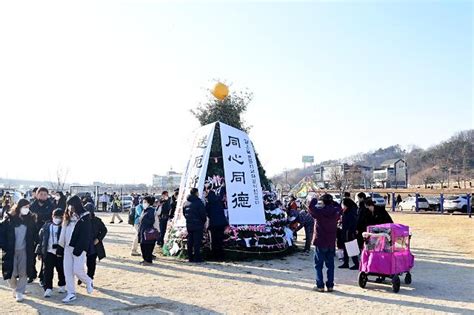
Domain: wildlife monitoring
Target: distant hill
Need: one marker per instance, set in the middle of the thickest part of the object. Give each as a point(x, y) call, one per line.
point(453, 158)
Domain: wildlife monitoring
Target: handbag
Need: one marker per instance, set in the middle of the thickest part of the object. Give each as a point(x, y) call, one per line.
point(151, 234)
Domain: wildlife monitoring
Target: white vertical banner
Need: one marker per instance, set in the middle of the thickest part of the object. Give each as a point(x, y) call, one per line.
point(195, 174)
point(243, 188)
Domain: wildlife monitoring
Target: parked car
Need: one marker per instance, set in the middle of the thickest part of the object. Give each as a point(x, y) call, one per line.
point(127, 202)
point(377, 198)
point(456, 203)
point(434, 203)
point(410, 204)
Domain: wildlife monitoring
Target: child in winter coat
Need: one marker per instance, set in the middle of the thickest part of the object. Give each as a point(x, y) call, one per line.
point(47, 251)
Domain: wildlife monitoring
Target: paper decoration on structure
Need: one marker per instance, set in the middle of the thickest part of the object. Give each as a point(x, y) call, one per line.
point(195, 172)
point(243, 188)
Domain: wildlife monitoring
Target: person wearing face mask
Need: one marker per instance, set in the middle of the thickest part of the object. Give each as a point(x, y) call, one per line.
point(74, 243)
point(42, 206)
point(18, 257)
point(147, 222)
point(47, 252)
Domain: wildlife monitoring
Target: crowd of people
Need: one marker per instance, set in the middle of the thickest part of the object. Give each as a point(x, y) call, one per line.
point(329, 225)
point(64, 233)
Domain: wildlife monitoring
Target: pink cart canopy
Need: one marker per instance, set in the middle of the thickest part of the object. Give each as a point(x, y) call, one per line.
point(387, 250)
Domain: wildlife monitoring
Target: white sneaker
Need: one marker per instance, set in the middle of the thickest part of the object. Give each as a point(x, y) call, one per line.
point(69, 298)
point(19, 297)
point(62, 289)
point(48, 293)
point(90, 287)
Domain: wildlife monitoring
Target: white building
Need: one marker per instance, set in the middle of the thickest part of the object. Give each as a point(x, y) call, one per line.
point(350, 175)
point(391, 174)
point(170, 181)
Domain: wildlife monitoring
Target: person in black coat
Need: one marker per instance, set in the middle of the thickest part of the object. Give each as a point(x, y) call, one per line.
point(19, 233)
point(96, 249)
point(363, 219)
point(217, 223)
point(195, 214)
point(348, 231)
point(174, 203)
point(165, 215)
point(147, 222)
point(43, 208)
point(379, 214)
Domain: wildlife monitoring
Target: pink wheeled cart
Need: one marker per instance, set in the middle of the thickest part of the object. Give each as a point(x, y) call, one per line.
point(386, 254)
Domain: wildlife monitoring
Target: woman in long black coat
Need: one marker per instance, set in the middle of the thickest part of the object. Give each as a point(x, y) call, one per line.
point(97, 249)
point(17, 217)
point(348, 231)
point(147, 221)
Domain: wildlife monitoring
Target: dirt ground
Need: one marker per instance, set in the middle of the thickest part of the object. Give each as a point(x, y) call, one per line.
point(443, 281)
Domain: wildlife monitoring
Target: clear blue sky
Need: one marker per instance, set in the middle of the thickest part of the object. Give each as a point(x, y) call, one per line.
point(330, 79)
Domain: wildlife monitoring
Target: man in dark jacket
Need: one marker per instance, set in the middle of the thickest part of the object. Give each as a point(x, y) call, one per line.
point(195, 214)
point(43, 208)
point(217, 224)
point(324, 240)
point(164, 216)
